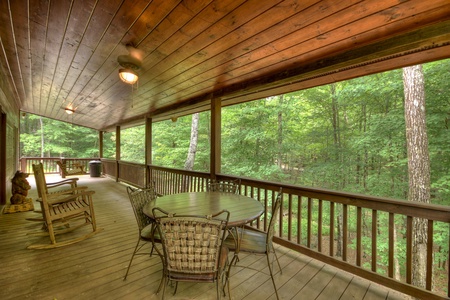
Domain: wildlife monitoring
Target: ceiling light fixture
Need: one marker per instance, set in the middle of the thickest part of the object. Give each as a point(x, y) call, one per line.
point(128, 76)
point(131, 64)
point(69, 111)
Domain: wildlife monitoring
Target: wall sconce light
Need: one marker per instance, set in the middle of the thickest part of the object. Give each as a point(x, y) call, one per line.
point(128, 76)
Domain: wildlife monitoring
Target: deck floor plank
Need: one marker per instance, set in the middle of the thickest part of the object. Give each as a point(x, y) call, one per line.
point(94, 268)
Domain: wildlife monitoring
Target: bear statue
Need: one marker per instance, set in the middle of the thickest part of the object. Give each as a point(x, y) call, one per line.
point(20, 187)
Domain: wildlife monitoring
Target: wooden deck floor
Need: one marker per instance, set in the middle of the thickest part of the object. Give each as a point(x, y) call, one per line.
point(94, 268)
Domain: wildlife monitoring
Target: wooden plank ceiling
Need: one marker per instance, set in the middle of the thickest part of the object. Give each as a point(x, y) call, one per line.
point(60, 53)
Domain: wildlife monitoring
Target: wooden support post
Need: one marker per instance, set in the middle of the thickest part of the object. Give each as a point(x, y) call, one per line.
point(148, 148)
point(216, 122)
point(117, 152)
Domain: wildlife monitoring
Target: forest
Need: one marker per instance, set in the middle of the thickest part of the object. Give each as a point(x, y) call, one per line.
point(347, 136)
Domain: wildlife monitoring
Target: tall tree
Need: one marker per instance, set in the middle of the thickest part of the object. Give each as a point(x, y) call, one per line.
point(418, 163)
point(280, 133)
point(189, 164)
point(42, 136)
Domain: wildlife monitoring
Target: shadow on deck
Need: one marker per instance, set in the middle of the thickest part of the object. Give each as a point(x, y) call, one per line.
point(94, 268)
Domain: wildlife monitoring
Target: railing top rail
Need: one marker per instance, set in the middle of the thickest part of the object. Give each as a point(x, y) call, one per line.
point(181, 171)
point(428, 211)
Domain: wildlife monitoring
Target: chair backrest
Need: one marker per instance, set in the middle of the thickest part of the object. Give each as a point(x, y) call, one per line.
point(138, 198)
point(39, 176)
point(192, 244)
point(224, 185)
point(61, 166)
point(276, 205)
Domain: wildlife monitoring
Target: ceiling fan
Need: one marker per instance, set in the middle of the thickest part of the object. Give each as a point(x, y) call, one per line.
point(130, 64)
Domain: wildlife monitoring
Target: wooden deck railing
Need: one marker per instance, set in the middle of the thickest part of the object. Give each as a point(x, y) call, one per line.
point(371, 237)
point(50, 166)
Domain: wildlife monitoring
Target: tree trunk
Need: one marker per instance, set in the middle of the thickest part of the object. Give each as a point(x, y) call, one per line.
point(338, 157)
point(189, 164)
point(41, 123)
point(418, 164)
point(280, 133)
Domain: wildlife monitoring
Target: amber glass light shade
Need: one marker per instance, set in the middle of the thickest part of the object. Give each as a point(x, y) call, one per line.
point(128, 76)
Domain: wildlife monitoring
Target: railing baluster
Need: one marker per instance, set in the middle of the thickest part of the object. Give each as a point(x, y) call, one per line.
point(319, 229)
point(281, 214)
point(448, 259)
point(429, 276)
point(309, 231)
point(374, 240)
point(332, 216)
point(299, 219)
point(265, 209)
point(409, 233)
point(391, 245)
point(344, 232)
point(358, 235)
point(289, 237)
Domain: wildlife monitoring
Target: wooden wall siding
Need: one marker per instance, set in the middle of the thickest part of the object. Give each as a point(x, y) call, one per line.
point(61, 53)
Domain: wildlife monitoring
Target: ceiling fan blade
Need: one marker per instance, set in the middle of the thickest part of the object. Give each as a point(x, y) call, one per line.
point(128, 61)
point(136, 53)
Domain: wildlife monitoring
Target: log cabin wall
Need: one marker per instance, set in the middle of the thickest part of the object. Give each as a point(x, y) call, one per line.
point(9, 136)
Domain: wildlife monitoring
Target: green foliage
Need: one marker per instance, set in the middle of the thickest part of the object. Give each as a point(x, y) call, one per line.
point(109, 145)
point(171, 142)
point(132, 144)
point(51, 138)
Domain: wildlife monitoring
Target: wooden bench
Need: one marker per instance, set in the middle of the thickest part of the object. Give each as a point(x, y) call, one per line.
point(76, 170)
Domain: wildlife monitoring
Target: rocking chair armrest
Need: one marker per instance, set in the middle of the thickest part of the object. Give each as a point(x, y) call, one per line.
point(68, 191)
point(70, 197)
point(70, 181)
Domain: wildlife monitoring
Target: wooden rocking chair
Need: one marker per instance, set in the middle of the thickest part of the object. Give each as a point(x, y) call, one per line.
point(73, 209)
point(76, 170)
point(63, 187)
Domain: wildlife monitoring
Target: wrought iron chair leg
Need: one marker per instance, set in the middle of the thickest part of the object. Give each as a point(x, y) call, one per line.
point(131, 260)
point(176, 287)
point(271, 275)
point(278, 262)
point(164, 288)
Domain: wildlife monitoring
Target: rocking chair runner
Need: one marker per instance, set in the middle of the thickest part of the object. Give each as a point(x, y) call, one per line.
point(77, 170)
point(68, 207)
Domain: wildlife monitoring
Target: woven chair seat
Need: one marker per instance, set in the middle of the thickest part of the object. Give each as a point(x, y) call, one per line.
point(148, 233)
point(252, 241)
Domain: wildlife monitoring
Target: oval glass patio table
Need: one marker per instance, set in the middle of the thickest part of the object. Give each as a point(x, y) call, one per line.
point(242, 209)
